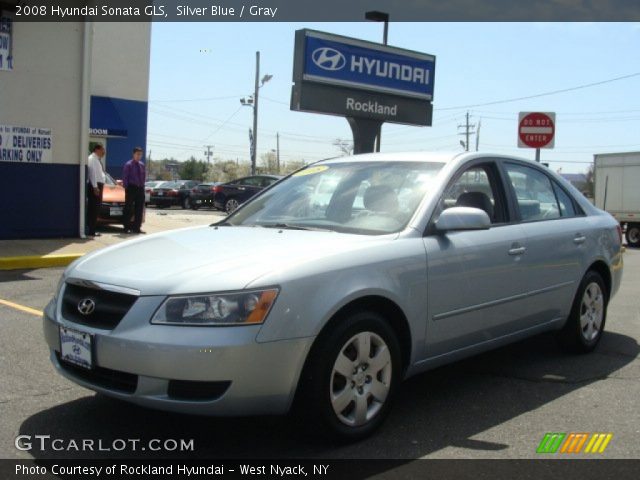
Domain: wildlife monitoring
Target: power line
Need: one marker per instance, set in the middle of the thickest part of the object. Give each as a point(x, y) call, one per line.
point(553, 92)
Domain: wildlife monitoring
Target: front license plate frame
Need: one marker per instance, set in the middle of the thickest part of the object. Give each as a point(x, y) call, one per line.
point(76, 347)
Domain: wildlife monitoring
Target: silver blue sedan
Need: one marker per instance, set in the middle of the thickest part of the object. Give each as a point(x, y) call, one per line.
point(327, 289)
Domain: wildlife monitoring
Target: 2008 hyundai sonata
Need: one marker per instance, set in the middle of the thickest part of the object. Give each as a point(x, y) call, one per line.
point(329, 288)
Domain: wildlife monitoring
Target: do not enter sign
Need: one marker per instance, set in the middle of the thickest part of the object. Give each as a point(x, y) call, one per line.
point(536, 129)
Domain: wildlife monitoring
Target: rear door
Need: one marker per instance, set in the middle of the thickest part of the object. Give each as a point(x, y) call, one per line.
point(556, 237)
point(248, 188)
point(477, 286)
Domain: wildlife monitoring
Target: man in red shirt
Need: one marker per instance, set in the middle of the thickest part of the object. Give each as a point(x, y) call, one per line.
point(133, 178)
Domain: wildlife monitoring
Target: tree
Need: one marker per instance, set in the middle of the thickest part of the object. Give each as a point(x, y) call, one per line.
point(193, 169)
point(269, 162)
point(344, 146)
point(589, 188)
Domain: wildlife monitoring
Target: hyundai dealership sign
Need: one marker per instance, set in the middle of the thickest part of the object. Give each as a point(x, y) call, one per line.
point(375, 67)
point(354, 78)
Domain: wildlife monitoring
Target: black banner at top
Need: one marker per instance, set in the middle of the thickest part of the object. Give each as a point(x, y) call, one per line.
point(320, 11)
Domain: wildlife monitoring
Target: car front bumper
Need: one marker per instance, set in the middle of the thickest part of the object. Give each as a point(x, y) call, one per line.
point(142, 363)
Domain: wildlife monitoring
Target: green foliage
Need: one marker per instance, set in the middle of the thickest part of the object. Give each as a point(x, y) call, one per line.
point(193, 169)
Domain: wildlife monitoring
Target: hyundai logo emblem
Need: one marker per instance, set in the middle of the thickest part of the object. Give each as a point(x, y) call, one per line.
point(328, 58)
point(86, 306)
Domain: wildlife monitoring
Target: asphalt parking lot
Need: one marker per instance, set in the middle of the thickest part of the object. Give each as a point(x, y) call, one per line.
point(497, 405)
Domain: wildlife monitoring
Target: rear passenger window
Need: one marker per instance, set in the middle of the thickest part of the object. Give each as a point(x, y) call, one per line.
point(535, 194)
point(566, 205)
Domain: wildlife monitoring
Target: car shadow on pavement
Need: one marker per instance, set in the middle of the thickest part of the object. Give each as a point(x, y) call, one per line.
point(435, 410)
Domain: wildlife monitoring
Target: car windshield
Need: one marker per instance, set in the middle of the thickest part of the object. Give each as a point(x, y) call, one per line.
point(353, 197)
point(168, 185)
point(108, 179)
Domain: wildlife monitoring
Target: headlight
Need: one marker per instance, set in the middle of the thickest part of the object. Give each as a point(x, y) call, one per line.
point(242, 308)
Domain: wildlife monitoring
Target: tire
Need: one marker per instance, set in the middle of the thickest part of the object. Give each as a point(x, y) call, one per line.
point(341, 396)
point(231, 205)
point(633, 235)
point(186, 203)
point(585, 324)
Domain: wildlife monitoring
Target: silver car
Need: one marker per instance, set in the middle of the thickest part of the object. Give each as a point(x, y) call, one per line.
point(327, 289)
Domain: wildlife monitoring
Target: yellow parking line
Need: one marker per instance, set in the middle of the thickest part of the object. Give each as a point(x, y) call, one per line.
point(22, 308)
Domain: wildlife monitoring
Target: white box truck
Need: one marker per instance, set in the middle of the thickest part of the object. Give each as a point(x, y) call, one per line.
point(617, 190)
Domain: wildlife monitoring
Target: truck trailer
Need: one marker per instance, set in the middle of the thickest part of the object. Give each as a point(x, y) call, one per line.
point(617, 190)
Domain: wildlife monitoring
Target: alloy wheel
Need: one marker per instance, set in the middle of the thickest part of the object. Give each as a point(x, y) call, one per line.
point(591, 312)
point(360, 379)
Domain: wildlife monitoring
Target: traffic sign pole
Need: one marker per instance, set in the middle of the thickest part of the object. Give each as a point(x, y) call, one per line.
point(538, 155)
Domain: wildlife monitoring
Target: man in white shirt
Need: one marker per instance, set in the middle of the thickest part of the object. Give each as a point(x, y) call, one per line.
point(95, 184)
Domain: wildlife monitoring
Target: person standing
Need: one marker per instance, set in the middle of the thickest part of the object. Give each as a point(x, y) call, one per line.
point(95, 184)
point(133, 177)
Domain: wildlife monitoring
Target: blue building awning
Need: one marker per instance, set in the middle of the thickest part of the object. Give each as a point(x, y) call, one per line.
point(105, 121)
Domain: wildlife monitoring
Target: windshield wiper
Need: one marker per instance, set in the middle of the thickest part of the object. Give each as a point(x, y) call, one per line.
point(289, 226)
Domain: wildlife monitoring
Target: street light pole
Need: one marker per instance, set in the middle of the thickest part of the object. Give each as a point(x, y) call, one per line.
point(377, 16)
point(254, 151)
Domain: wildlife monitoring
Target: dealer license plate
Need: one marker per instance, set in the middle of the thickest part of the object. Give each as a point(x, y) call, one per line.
point(75, 347)
point(115, 211)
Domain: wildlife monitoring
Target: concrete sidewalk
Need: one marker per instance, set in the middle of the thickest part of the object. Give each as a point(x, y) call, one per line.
point(54, 252)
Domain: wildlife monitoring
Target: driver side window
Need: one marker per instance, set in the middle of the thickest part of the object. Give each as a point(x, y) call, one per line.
point(474, 188)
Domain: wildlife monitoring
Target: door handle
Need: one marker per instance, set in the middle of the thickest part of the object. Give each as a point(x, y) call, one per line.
point(517, 251)
point(579, 239)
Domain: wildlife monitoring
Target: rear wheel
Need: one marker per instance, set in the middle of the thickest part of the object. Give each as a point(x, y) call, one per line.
point(633, 234)
point(585, 325)
point(186, 202)
point(351, 375)
point(231, 205)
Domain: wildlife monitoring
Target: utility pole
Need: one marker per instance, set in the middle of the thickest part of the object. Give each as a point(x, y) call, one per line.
point(278, 151)
point(478, 134)
point(208, 152)
point(468, 131)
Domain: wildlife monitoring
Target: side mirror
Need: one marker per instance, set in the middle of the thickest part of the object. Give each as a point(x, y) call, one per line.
point(462, 218)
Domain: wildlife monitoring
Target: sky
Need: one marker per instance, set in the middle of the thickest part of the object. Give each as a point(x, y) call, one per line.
point(200, 71)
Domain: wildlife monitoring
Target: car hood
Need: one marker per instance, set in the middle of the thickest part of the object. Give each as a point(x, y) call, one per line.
point(113, 193)
point(201, 259)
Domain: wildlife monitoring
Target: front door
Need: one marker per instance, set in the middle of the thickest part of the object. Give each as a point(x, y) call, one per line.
point(477, 289)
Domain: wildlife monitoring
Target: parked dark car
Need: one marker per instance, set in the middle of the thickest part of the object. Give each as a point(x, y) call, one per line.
point(229, 196)
point(173, 193)
point(202, 195)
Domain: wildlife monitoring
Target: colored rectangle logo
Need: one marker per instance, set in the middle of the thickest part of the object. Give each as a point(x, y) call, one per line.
point(574, 443)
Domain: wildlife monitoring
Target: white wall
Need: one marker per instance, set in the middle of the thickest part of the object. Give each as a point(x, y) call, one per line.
point(121, 58)
point(43, 89)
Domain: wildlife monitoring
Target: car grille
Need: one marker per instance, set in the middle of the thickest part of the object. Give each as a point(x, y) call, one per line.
point(102, 377)
point(110, 307)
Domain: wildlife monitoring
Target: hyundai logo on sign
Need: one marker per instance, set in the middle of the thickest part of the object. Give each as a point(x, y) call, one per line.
point(365, 65)
point(328, 58)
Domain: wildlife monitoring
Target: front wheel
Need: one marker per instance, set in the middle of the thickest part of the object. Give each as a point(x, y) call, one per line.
point(585, 324)
point(633, 234)
point(350, 377)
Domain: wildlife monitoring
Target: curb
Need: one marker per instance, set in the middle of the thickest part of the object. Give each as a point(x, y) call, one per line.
point(37, 261)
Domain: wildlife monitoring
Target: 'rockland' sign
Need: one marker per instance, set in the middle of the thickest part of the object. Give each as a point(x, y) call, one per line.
point(354, 78)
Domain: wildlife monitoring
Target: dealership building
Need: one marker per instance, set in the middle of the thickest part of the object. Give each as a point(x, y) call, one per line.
point(64, 86)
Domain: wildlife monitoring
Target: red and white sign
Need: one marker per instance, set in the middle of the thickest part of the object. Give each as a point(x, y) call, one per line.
point(536, 129)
